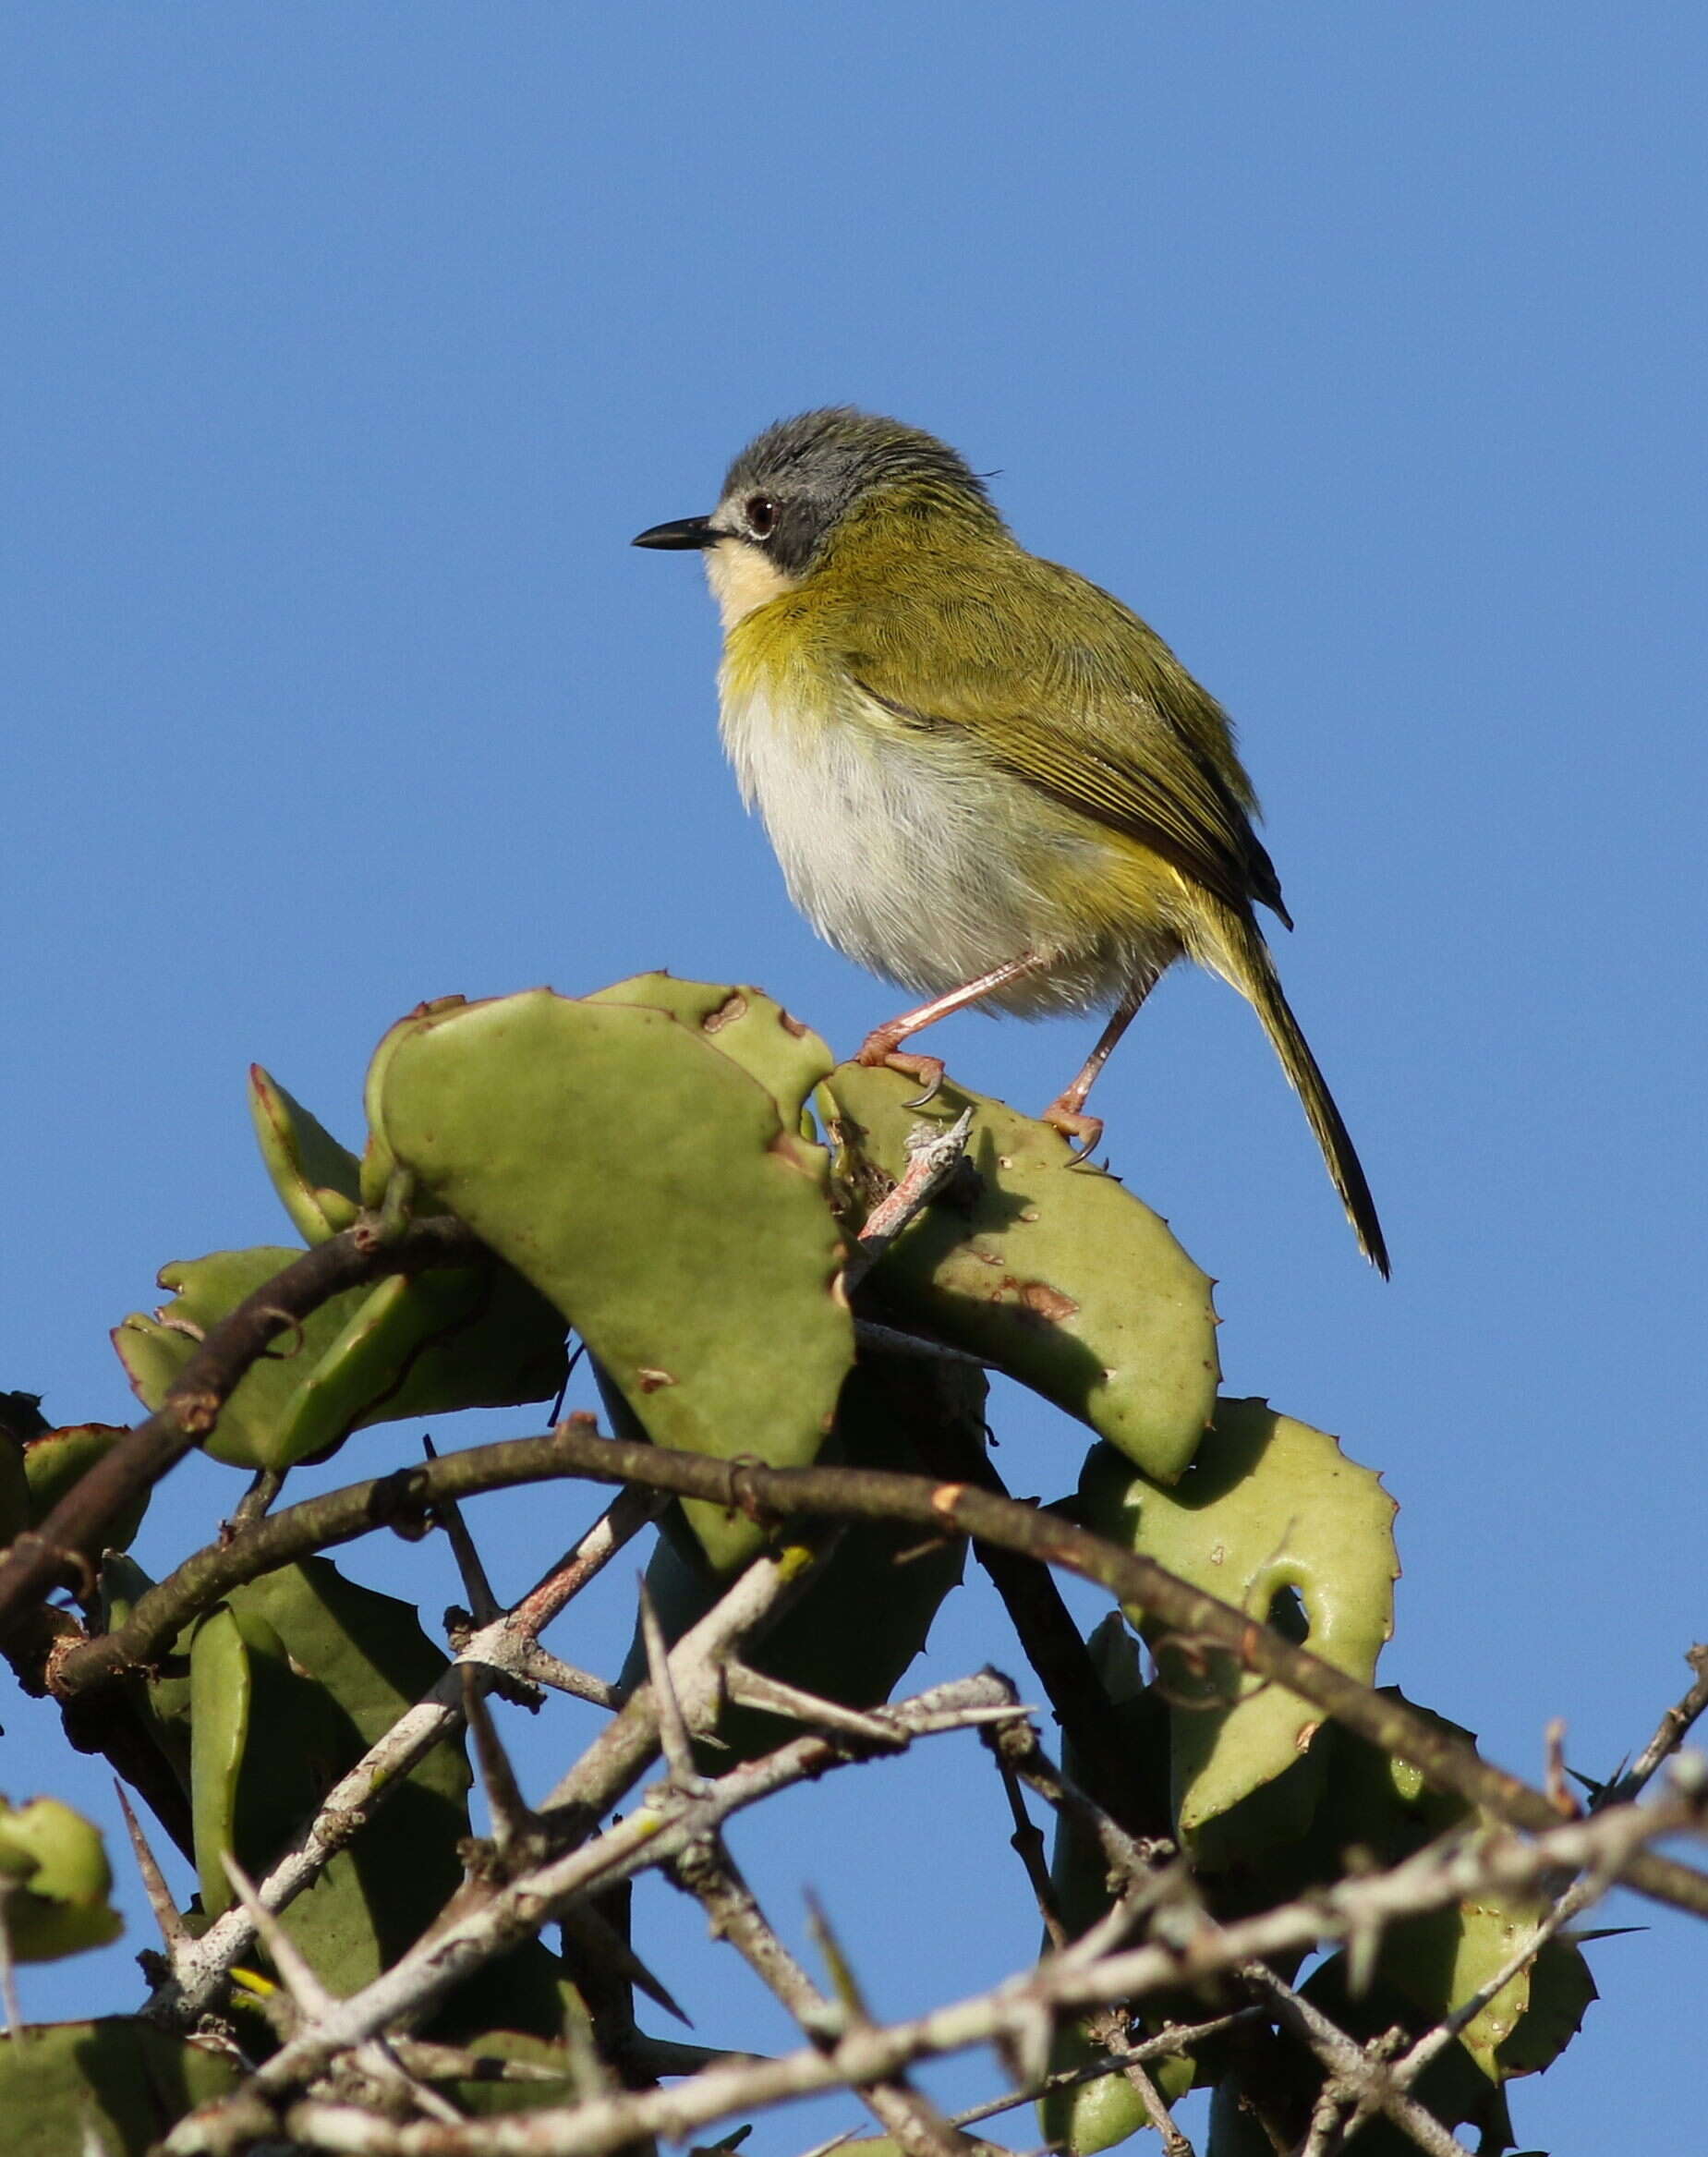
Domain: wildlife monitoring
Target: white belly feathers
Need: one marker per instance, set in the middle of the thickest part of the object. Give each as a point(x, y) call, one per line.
point(886, 847)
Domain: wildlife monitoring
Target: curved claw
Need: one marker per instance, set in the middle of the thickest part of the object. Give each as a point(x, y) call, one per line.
point(934, 1080)
point(928, 1070)
point(1072, 1124)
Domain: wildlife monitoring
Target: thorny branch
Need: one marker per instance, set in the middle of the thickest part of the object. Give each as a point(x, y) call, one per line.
point(678, 1825)
point(32, 1564)
point(660, 1828)
point(1669, 1735)
point(827, 1494)
point(707, 1870)
point(67, 1540)
point(408, 1495)
point(199, 1967)
point(1438, 1877)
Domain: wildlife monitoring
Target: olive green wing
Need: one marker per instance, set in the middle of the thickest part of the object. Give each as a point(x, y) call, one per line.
point(1061, 686)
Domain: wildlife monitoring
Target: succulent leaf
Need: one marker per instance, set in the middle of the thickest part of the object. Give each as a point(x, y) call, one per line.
point(292, 1678)
point(416, 1345)
point(647, 1185)
point(56, 1460)
point(1040, 1264)
point(55, 1880)
point(117, 2085)
point(318, 1181)
point(1269, 1505)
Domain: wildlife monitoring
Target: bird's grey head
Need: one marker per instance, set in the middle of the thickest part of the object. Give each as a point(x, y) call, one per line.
point(796, 484)
point(793, 485)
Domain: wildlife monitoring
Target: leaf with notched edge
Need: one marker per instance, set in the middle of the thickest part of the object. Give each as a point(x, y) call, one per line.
point(1044, 1268)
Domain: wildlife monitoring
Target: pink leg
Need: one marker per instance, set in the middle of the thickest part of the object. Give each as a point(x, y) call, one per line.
point(883, 1044)
point(1063, 1113)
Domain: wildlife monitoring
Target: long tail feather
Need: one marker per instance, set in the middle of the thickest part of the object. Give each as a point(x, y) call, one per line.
point(1253, 973)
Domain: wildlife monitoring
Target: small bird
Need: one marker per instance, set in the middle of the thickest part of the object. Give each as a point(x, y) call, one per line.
point(986, 779)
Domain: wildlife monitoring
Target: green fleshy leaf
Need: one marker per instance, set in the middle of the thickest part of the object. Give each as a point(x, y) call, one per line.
point(1561, 1994)
point(1439, 1961)
point(292, 1678)
point(744, 1023)
point(160, 1695)
point(1269, 1505)
point(55, 1880)
point(418, 1345)
point(1443, 1960)
point(1046, 1268)
point(118, 2080)
point(318, 1181)
point(653, 1190)
point(1097, 2114)
point(56, 1460)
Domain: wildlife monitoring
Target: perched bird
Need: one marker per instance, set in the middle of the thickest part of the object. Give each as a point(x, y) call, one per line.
point(984, 778)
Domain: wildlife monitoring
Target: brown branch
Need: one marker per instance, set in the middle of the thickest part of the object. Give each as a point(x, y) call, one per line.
point(575, 1449)
point(62, 1548)
point(707, 1870)
point(1669, 1735)
point(504, 1645)
point(317, 1523)
point(879, 1494)
point(1435, 1878)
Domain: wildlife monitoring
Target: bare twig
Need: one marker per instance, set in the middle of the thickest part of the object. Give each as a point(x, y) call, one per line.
point(1027, 1843)
point(1130, 1858)
point(513, 1821)
point(1435, 1878)
point(1366, 2079)
point(753, 1688)
point(1668, 1735)
point(1164, 2044)
point(504, 1645)
point(36, 1563)
point(482, 1603)
point(628, 1745)
point(934, 1153)
point(173, 1929)
point(540, 1666)
point(673, 1739)
point(707, 1870)
point(1112, 2031)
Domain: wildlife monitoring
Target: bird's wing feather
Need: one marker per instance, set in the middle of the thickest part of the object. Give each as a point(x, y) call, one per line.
point(1071, 692)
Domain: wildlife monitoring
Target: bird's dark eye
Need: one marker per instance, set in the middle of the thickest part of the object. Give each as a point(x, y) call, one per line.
point(761, 513)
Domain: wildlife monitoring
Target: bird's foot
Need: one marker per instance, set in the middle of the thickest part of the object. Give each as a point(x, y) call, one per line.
point(1073, 1124)
point(879, 1051)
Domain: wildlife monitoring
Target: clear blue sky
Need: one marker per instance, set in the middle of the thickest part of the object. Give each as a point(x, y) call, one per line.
point(1361, 349)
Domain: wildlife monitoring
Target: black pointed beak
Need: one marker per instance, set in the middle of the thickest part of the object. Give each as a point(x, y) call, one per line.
point(687, 531)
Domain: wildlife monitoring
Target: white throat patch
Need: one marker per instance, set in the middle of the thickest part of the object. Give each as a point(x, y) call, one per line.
point(741, 578)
